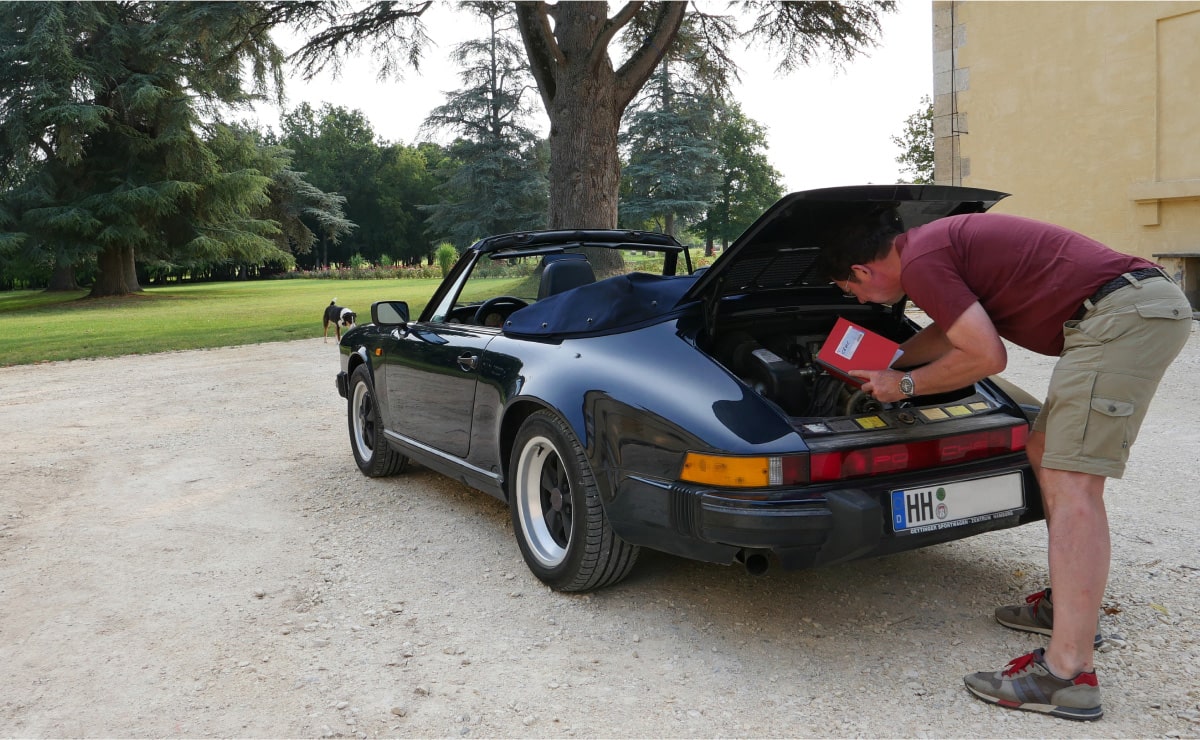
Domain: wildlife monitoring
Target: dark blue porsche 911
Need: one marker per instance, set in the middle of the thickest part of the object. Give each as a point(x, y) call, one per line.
point(616, 399)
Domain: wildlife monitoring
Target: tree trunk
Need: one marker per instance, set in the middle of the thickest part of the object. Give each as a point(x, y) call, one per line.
point(62, 278)
point(585, 168)
point(585, 98)
point(114, 267)
point(130, 268)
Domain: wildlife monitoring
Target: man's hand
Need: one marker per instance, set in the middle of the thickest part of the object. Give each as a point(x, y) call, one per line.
point(882, 385)
point(976, 352)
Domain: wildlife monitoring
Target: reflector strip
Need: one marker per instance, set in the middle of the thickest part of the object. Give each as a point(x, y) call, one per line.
point(728, 471)
point(839, 465)
point(871, 422)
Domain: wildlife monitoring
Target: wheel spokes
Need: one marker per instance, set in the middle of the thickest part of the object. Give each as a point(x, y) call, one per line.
point(556, 499)
point(366, 415)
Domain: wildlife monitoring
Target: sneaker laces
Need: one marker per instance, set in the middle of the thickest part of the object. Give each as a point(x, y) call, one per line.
point(1035, 600)
point(1019, 665)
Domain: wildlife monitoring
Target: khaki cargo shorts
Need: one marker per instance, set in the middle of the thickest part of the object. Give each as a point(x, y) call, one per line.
point(1112, 361)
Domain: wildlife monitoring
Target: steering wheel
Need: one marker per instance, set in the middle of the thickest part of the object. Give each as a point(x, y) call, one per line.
point(512, 303)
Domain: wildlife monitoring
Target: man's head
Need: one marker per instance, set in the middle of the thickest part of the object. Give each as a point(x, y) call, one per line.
point(860, 260)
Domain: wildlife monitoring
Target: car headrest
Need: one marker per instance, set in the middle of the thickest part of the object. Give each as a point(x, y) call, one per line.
point(563, 275)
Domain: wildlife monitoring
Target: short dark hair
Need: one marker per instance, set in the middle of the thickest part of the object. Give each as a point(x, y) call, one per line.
point(858, 241)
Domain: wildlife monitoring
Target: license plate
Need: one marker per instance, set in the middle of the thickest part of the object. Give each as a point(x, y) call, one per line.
point(956, 504)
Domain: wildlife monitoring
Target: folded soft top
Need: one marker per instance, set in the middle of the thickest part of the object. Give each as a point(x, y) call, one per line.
point(620, 302)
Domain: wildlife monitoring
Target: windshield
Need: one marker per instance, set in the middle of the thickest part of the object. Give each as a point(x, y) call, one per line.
point(510, 280)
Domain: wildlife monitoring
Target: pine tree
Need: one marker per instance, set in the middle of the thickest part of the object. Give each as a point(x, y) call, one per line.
point(104, 111)
point(497, 182)
point(673, 162)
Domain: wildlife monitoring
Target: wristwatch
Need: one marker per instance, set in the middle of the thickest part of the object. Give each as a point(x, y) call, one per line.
point(906, 385)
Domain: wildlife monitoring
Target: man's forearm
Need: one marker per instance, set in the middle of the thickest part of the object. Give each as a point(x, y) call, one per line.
point(928, 345)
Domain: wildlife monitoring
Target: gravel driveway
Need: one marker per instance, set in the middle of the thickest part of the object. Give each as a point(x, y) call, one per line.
point(187, 549)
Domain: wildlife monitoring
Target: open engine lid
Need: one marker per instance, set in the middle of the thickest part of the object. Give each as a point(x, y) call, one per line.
point(779, 252)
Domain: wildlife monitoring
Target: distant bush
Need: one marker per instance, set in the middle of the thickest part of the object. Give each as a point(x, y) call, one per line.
point(359, 269)
point(445, 255)
point(364, 271)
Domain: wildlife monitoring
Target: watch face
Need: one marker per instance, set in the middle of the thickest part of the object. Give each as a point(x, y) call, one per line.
point(906, 385)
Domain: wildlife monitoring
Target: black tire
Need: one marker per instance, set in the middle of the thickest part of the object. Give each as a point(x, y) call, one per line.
point(560, 524)
point(375, 457)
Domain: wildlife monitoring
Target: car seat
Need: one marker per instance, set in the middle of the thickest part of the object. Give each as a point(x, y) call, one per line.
point(563, 275)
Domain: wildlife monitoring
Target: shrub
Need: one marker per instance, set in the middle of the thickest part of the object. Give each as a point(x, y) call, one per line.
point(446, 256)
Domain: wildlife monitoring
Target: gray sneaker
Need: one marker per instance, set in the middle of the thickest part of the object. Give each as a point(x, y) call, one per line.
point(1035, 615)
point(1026, 683)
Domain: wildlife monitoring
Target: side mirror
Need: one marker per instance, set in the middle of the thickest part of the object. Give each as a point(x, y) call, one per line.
point(390, 313)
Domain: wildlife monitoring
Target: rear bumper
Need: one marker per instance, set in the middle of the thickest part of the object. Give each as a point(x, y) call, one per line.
point(828, 526)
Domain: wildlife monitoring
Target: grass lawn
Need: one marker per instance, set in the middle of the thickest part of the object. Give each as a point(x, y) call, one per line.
point(37, 327)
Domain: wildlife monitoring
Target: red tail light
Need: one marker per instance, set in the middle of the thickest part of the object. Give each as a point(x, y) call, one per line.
point(761, 472)
point(842, 464)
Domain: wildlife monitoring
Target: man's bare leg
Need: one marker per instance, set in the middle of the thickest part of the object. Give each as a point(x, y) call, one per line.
point(1079, 555)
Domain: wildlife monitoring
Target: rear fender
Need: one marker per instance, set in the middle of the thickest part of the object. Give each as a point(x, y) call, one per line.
point(637, 401)
point(514, 416)
point(1029, 405)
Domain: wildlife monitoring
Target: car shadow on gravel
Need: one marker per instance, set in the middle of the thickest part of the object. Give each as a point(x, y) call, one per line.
point(966, 581)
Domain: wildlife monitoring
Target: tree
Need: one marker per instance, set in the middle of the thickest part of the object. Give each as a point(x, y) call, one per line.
point(916, 144)
point(568, 45)
point(499, 182)
point(383, 184)
point(337, 150)
point(673, 162)
point(408, 179)
point(748, 182)
point(103, 105)
point(303, 212)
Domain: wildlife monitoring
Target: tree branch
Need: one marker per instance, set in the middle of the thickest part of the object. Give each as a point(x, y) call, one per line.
point(383, 23)
point(544, 55)
point(614, 24)
point(637, 69)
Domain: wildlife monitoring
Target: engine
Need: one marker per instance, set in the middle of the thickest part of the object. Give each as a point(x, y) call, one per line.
point(782, 370)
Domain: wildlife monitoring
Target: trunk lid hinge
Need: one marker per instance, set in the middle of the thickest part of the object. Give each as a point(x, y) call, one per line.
point(711, 303)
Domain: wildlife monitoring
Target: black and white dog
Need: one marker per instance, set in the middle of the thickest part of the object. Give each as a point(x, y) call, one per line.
point(339, 317)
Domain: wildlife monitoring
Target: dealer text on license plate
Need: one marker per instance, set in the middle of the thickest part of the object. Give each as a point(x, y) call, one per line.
point(954, 504)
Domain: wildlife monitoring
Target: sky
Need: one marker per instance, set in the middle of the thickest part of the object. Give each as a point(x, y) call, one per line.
point(826, 125)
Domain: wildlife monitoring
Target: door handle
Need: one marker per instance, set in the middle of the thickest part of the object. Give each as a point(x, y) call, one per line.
point(467, 361)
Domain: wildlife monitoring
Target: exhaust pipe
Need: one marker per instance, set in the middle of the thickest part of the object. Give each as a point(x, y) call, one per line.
point(756, 562)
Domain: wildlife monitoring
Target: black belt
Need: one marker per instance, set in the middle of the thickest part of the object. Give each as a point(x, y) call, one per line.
point(1120, 281)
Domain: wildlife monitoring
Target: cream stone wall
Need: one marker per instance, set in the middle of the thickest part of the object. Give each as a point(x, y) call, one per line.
point(1087, 112)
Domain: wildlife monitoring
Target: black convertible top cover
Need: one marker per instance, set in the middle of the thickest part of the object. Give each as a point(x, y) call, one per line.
point(617, 303)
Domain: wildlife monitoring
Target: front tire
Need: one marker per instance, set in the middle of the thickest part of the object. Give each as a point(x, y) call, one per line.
point(558, 519)
point(374, 456)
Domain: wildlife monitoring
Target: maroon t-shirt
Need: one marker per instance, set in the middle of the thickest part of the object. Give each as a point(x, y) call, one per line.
point(1029, 276)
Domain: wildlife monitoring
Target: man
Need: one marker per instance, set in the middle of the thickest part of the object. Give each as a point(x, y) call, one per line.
point(1114, 320)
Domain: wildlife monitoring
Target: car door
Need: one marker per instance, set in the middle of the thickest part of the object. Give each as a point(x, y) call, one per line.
point(431, 373)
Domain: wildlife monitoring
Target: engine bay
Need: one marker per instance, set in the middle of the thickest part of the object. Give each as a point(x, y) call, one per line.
point(776, 357)
point(781, 367)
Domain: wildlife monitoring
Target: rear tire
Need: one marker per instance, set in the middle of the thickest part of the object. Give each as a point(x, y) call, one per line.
point(558, 519)
point(375, 457)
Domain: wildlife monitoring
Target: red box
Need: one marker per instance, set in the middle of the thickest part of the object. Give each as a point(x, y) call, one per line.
point(851, 347)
